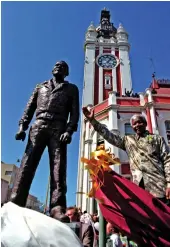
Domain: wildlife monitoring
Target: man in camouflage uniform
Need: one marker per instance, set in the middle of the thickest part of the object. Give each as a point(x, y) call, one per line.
point(56, 103)
point(149, 155)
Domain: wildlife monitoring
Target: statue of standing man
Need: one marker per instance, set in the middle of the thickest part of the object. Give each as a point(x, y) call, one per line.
point(56, 103)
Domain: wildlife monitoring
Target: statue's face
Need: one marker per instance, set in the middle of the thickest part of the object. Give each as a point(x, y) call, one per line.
point(59, 69)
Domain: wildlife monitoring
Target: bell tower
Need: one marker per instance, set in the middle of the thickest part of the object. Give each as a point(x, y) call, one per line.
point(107, 75)
point(107, 64)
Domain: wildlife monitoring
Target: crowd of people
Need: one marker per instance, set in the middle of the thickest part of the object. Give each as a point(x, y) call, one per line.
point(36, 226)
point(87, 227)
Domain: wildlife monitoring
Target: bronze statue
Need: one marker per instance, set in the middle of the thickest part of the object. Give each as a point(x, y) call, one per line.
point(56, 103)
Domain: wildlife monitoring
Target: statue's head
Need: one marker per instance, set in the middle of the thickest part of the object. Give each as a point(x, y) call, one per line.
point(60, 69)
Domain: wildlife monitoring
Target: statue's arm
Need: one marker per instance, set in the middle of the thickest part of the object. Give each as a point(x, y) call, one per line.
point(29, 110)
point(74, 111)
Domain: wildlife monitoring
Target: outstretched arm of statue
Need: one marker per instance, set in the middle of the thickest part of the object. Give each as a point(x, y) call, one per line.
point(27, 116)
point(113, 139)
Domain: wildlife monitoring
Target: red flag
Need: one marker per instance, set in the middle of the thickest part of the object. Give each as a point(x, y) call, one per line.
point(138, 214)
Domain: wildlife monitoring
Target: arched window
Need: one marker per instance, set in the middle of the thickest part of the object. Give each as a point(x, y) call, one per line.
point(128, 129)
point(167, 126)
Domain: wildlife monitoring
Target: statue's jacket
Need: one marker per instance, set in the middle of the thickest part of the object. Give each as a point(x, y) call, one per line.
point(58, 105)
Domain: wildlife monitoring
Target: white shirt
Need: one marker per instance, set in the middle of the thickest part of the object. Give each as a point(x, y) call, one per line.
point(116, 240)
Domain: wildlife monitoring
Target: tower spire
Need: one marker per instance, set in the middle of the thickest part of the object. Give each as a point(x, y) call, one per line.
point(106, 28)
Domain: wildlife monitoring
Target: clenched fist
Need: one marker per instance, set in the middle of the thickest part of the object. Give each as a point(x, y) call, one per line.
point(20, 135)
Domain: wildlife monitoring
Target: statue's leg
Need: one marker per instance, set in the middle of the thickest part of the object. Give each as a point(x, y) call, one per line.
point(58, 165)
point(34, 149)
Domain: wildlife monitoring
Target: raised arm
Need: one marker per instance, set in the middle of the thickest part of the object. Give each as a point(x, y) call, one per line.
point(113, 139)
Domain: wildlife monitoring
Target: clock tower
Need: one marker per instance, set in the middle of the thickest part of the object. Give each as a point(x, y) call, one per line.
point(107, 64)
point(107, 77)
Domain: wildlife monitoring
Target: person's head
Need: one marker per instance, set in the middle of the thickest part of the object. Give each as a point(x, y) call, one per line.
point(73, 214)
point(95, 218)
point(110, 229)
point(79, 211)
point(58, 213)
point(85, 218)
point(64, 218)
point(138, 123)
point(60, 70)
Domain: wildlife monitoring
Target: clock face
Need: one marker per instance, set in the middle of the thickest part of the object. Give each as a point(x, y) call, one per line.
point(107, 61)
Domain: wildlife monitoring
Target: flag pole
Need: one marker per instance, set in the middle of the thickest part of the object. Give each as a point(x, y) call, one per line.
point(102, 230)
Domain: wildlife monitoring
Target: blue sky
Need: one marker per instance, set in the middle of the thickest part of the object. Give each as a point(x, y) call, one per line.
point(37, 34)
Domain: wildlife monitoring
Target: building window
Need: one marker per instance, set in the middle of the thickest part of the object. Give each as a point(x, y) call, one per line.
point(128, 129)
point(107, 81)
point(8, 173)
point(167, 126)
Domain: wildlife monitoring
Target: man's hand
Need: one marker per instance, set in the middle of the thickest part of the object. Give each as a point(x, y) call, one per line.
point(89, 114)
point(20, 135)
point(167, 193)
point(65, 137)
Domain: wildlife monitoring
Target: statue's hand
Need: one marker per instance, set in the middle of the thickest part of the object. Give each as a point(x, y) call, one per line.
point(65, 137)
point(20, 135)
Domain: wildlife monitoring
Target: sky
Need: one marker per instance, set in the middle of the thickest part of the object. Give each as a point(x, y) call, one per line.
point(35, 35)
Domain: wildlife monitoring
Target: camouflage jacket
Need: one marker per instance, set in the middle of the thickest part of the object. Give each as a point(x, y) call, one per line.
point(149, 158)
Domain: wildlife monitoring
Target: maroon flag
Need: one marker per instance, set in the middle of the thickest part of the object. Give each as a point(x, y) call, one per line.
point(138, 214)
